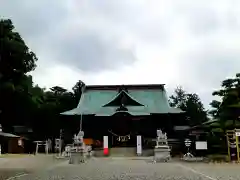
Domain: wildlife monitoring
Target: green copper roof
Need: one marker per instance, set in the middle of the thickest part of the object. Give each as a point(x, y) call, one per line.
point(109, 111)
point(147, 101)
point(125, 97)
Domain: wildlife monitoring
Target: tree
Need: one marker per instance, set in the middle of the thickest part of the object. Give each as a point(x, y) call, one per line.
point(227, 110)
point(77, 90)
point(22, 102)
point(57, 90)
point(179, 99)
point(215, 105)
point(15, 61)
point(15, 57)
point(191, 104)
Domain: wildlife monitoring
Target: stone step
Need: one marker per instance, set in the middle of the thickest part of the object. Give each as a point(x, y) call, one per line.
point(123, 151)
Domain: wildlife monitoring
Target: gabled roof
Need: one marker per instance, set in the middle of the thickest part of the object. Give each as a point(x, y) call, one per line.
point(209, 122)
point(153, 99)
point(126, 86)
point(22, 129)
point(123, 96)
point(9, 135)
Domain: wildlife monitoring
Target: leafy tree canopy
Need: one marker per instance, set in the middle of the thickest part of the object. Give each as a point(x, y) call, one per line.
point(227, 110)
point(16, 59)
point(191, 104)
point(22, 102)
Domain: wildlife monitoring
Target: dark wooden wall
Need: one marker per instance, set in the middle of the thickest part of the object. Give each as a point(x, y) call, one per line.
point(96, 127)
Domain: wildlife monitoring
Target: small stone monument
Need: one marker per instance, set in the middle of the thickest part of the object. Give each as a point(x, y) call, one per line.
point(77, 152)
point(188, 155)
point(161, 150)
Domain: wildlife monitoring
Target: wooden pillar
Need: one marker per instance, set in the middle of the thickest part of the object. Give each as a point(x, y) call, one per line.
point(46, 147)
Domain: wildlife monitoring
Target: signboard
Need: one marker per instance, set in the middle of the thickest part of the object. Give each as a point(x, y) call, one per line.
point(20, 142)
point(238, 134)
point(139, 145)
point(201, 145)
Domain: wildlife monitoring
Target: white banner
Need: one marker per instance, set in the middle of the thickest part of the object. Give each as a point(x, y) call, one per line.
point(105, 142)
point(139, 145)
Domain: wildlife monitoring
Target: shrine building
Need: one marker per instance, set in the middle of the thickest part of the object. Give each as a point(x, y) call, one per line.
point(122, 112)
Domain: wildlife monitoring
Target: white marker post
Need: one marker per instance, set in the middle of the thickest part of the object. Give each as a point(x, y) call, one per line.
point(105, 145)
point(139, 145)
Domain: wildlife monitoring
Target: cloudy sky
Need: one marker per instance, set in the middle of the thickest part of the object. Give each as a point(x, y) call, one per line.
point(191, 43)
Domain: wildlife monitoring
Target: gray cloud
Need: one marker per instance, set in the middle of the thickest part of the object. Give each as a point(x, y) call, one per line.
point(90, 52)
point(211, 67)
point(136, 18)
point(90, 35)
point(205, 68)
point(34, 19)
point(204, 22)
point(43, 25)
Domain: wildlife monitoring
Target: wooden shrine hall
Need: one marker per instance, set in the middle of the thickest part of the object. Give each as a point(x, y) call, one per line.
point(122, 112)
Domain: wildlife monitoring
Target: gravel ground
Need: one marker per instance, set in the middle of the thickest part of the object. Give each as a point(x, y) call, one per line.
point(12, 166)
point(216, 171)
point(120, 168)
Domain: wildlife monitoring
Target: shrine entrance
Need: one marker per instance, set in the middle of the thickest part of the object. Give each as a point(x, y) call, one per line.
point(122, 132)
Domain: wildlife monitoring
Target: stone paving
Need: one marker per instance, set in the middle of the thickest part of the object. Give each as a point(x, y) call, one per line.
point(124, 169)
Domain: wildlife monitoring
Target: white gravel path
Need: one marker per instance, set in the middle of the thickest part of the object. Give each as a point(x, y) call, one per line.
point(124, 169)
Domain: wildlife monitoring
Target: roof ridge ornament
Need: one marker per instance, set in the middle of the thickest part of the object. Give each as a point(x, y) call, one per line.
point(122, 88)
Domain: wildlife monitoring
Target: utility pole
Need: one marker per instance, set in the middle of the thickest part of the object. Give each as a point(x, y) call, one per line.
point(81, 122)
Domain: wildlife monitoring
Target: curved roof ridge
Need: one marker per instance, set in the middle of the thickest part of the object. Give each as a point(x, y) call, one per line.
point(129, 96)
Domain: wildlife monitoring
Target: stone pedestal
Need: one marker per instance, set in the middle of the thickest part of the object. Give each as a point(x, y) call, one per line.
point(161, 150)
point(162, 153)
point(77, 158)
point(78, 151)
